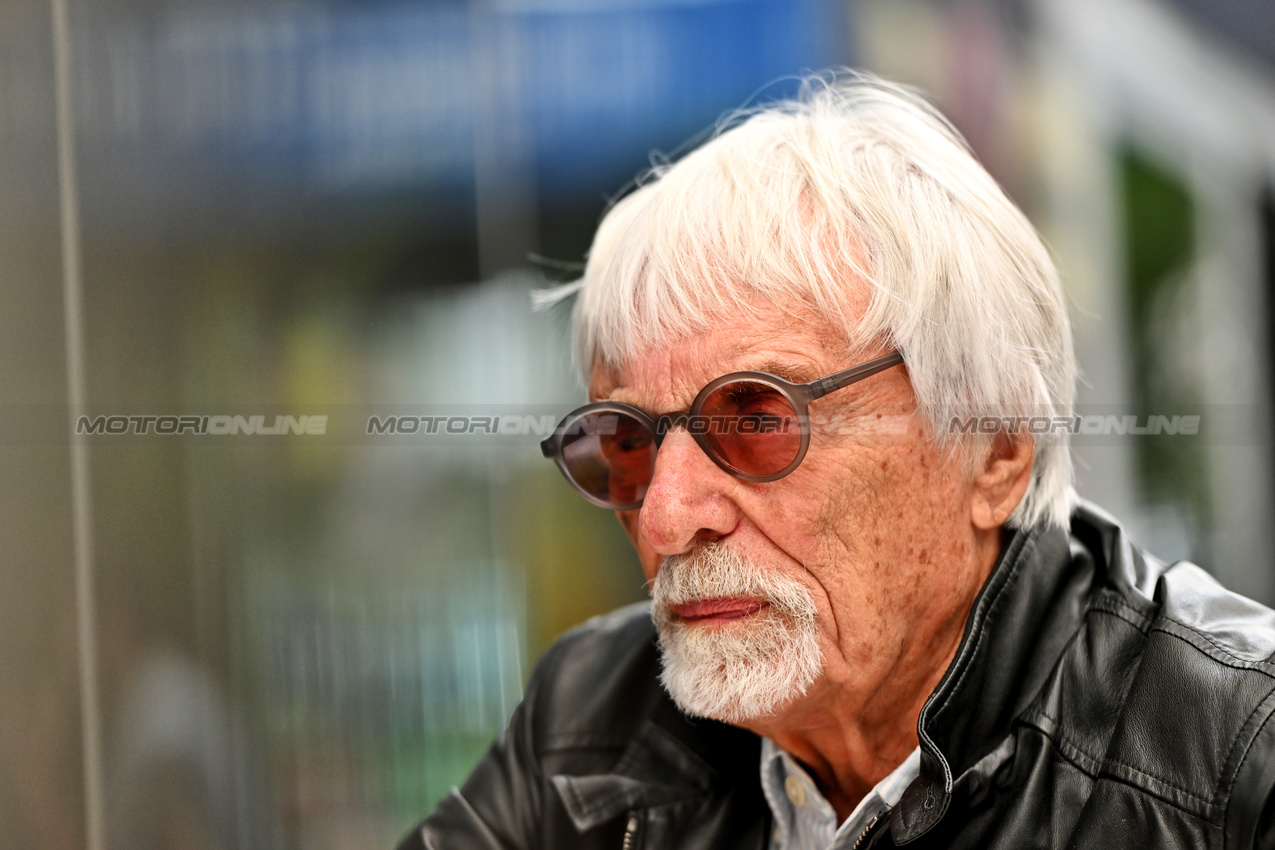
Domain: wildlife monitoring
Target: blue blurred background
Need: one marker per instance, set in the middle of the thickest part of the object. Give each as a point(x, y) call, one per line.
point(340, 207)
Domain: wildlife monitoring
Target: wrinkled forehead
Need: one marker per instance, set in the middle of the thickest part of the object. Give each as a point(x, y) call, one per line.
point(756, 313)
point(794, 342)
point(722, 322)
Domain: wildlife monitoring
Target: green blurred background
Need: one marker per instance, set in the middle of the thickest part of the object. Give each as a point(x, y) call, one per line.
point(340, 208)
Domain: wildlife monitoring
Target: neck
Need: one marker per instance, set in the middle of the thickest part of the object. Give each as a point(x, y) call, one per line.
point(848, 753)
point(850, 737)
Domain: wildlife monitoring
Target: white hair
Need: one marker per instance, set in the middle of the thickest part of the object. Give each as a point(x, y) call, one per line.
point(855, 183)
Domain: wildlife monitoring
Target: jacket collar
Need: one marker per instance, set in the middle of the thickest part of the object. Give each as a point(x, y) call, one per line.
point(1027, 611)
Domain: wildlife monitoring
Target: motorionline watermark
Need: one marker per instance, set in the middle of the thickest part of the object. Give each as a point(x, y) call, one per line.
point(542, 425)
point(215, 425)
point(507, 425)
point(603, 424)
point(1089, 425)
point(610, 423)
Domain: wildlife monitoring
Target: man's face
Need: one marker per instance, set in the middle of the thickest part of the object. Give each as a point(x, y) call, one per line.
point(874, 525)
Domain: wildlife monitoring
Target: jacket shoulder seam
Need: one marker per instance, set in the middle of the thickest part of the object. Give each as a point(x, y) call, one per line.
point(1084, 761)
point(1214, 649)
point(1116, 770)
point(1117, 607)
point(1148, 779)
point(1138, 622)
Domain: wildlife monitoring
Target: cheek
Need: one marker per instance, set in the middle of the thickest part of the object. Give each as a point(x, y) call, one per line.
point(921, 530)
point(892, 530)
point(919, 495)
point(859, 493)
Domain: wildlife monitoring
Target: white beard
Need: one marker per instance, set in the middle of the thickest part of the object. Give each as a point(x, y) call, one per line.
point(741, 670)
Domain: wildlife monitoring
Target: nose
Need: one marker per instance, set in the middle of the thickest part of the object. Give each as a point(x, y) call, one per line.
point(688, 500)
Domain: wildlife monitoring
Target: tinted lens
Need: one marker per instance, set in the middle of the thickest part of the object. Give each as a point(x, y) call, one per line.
point(610, 456)
point(752, 427)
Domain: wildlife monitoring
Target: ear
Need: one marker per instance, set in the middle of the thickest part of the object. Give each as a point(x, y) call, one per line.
point(1001, 480)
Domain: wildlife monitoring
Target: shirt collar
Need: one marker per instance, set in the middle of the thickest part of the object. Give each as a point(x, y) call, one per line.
point(803, 817)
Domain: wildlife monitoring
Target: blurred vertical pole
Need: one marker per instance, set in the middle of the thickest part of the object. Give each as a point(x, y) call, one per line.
point(504, 161)
point(1081, 224)
point(1228, 317)
point(1267, 216)
point(505, 205)
point(81, 507)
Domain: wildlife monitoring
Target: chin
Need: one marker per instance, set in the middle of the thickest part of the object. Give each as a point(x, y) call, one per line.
point(738, 670)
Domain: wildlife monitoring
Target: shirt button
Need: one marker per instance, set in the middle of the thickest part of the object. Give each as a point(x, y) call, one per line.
point(795, 790)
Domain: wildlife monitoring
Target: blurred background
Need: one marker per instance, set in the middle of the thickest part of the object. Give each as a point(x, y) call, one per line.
point(338, 208)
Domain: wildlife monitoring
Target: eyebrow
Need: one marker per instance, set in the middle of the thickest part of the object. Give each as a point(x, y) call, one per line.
point(791, 372)
point(796, 373)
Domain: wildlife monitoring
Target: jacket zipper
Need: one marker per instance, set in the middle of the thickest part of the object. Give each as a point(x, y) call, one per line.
point(630, 832)
point(867, 830)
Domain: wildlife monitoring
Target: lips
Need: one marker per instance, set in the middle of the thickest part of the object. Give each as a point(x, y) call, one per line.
point(717, 610)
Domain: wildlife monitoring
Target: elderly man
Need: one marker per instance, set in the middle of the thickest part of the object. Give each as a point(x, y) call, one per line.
point(869, 628)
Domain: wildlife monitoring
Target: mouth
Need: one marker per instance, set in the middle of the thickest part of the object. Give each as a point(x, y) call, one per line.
point(722, 610)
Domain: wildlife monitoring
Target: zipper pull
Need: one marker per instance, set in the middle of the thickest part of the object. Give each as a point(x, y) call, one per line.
point(867, 830)
point(630, 832)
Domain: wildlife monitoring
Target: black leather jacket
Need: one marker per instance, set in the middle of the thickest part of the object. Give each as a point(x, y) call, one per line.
point(1098, 699)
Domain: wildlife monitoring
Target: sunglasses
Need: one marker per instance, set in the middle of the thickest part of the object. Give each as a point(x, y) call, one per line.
point(753, 425)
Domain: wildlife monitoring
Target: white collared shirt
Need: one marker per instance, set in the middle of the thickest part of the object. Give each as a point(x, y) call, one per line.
point(804, 820)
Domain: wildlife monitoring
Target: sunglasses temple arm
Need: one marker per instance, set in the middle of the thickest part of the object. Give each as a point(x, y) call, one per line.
point(836, 381)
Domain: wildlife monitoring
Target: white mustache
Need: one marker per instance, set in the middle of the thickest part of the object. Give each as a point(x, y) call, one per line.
point(714, 571)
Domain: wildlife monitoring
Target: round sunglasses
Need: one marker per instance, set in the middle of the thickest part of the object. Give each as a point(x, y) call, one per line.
point(753, 425)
